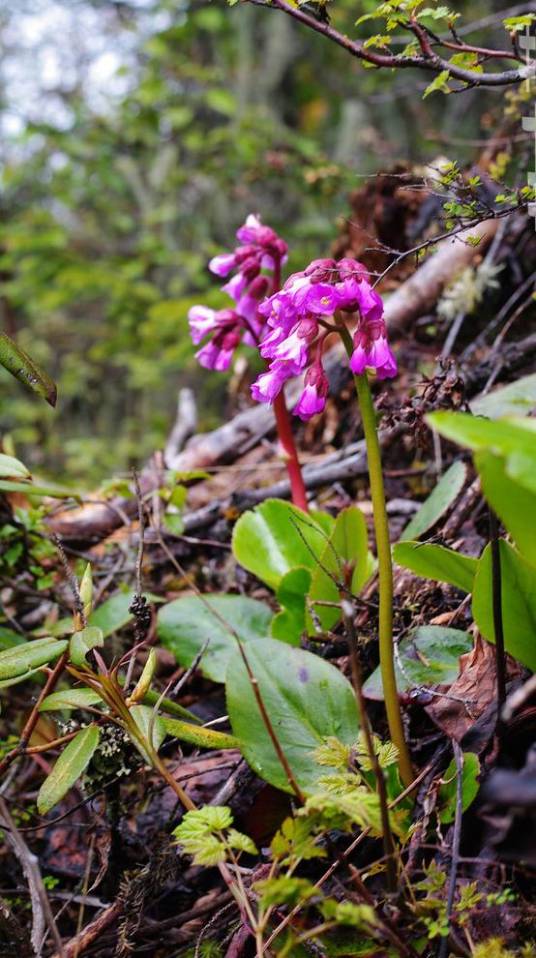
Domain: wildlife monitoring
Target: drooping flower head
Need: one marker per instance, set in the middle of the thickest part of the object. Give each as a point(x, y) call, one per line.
point(295, 332)
point(261, 252)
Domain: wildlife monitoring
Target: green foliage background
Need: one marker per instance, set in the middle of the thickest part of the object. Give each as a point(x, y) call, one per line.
point(111, 209)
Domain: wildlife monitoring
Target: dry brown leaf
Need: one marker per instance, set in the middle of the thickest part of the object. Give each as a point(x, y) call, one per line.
point(470, 694)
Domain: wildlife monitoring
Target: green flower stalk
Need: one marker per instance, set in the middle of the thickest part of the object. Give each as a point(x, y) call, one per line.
point(385, 566)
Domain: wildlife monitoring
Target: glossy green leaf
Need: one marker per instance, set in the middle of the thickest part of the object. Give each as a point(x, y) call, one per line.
point(276, 537)
point(30, 655)
point(289, 624)
point(437, 562)
point(518, 591)
point(427, 657)
point(345, 558)
point(512, 501)
point(515, 399)
point(307, 700)
point(449, 788)
point(202, 737)
point(20, 365)
point(82, 642)
point(185, 624)
point(70, 699)
point(11, 468)
point(74, 759)
point(438, 502)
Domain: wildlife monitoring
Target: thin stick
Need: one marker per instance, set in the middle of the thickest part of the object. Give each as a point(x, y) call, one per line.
point(456, 838)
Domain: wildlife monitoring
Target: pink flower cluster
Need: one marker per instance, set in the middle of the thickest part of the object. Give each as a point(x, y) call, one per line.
point(295, 332)
point(260, 251)
point(290, 325)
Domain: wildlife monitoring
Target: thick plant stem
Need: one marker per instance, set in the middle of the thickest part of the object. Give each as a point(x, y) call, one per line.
point(284, 431)
point(385, 569)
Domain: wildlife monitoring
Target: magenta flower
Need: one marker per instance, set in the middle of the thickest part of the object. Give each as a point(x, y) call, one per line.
point(373, 351)
point(261, 250)
point(295, 319)
point(313, 398)
point(269, 384)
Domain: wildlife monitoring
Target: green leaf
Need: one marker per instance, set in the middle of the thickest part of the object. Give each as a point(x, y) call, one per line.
point(9, 639)
point(276, 537)
point(448, 790)
point(307, 700)
point(12, 468)
point(437, 562)
point(148, 724)
point(33, 489)
point(289, 624)
point(438, 502)
point(519, 24)
point(20, 365)
point(518, 593)
point(185, 624)
point(202, 737)
point(82, 642)
point(73, 760)
point(113, 614)
point(439, 83)
point(428, 656)
point(346, 557)
point(31, 655)
point(500, 436)
point(70, 699)
point(514, 504)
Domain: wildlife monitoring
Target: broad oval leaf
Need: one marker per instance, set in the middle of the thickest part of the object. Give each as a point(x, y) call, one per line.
point(289, 624)
point(23, 658)
point(202, 737)
point(440, 499)
point(20, 365)
point(307, 700)
point(515, 399)
point(72, 762)
point(70, 699)
point(185, 624)
point(428, 656)
point(275, 537)
point(518, 592)
point(437, 562)
point(345, 558)
point(82, 642)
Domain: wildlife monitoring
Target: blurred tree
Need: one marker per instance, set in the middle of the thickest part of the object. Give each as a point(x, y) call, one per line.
point(148, 131)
